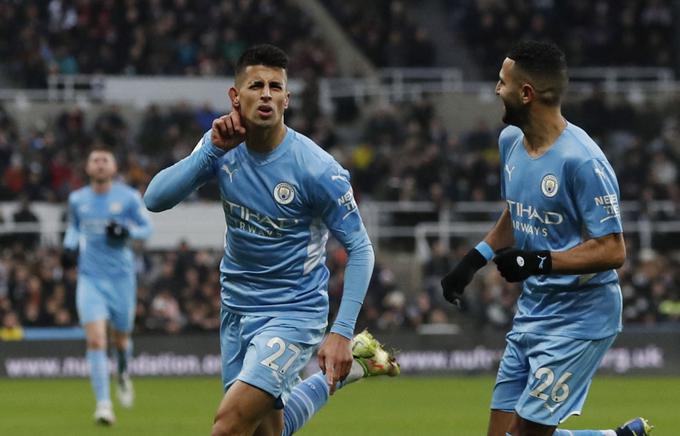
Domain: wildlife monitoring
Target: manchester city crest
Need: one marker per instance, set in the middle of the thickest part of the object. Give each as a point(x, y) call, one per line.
point(116, 207)
point(284, 193)
point(549, 185)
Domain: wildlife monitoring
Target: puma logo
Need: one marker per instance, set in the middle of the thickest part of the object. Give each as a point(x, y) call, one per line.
point(229, 171)
point(540, 264)
point(509, 171)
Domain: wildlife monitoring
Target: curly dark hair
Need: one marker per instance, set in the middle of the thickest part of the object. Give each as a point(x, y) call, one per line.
point(545, 65)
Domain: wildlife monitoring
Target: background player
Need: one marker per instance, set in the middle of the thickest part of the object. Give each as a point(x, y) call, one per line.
point(562, 220)
point(103, 217)
point(281, 194)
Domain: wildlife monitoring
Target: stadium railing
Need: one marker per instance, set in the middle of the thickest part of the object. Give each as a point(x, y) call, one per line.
point(417, 222)
point(393, 83)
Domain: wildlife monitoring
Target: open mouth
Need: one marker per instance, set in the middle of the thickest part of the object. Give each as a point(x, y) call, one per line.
point(265, 111)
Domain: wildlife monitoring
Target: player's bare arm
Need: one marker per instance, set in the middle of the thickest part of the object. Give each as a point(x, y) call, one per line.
point(501, 234)
point(592, 256)
point(335, 359)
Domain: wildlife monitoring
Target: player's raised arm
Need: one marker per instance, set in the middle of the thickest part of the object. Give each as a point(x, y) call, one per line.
point(454, 283)
point(175, 183)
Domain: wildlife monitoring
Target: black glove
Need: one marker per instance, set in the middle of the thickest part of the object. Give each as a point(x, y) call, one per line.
point(516, 265)
point(69, 258)
point(454, 283)
point(117, 232)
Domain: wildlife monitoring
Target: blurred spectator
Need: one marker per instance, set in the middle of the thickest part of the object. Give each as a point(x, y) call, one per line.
point(591, 33)
point(181, 293)
point(29, 239)
point(150, 37)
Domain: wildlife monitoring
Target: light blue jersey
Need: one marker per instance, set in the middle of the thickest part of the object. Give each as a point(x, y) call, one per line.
point(106, 275)
point(279, 209)
point(557, 201)
point(89, 213)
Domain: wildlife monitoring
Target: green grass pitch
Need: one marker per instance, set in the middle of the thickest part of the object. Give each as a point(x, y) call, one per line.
point(389, 407)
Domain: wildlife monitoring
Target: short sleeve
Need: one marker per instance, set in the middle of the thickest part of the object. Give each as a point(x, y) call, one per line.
point(507, 137)
point(335, 202)
point(596, 194)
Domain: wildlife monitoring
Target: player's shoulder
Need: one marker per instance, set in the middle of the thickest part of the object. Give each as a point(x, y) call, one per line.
point(580, 147)
point(124, 189)
point(80, 194)
point(509, 135)
point(508, 140)
point(314, 159)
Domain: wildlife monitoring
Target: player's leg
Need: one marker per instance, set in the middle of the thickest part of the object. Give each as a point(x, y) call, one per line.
point(634, 427)
point(310, 395)
point(243, 409)
point(511, 380)
point(562, 370)
point(261, 358)
point(520, 426)
point(124, 387)
point(122, 301)
point(499, 422)
point(93, 315)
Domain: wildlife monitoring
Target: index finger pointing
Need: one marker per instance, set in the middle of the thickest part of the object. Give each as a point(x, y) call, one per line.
point(236, 120)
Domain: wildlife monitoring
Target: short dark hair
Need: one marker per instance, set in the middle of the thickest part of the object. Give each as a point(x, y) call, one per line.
point(545, 64)
point(101, 148)
point(262, 54)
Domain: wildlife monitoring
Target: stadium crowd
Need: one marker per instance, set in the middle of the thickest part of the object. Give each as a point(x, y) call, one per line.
point(385, 31)
point(178, 37)
point(179, 291)
point(592, 33)
point(151, 37)
point(404, 154)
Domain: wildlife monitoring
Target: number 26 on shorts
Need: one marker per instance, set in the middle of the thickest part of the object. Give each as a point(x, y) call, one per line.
point(559, 391)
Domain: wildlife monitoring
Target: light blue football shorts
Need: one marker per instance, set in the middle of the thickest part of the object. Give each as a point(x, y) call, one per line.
point(545, 379)
point(267, 352)
point(99, 298)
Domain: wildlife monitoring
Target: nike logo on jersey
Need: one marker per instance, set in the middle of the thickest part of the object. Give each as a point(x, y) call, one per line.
point(230, 172)
point(607, 218)
point(509, 171)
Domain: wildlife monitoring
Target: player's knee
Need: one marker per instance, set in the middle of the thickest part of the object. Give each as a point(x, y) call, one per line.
point(96, 343)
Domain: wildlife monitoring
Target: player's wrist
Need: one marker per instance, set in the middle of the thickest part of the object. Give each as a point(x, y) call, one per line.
point(543, 259)
point(485, 250)
point(342, 331)
point(477, 257)
point(210, 148)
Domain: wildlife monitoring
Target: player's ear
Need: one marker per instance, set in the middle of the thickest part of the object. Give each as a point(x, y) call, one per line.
point(527, 93)
point(285, 102)
point(233, 96)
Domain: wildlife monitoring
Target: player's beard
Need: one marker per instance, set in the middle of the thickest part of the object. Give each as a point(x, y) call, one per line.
point(516, 113)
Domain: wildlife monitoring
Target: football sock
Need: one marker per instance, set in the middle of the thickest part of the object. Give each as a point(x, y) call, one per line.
point(307, 398)
point(99, 374)
point(123, 357)
point(560, 432)
point(356, 372)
